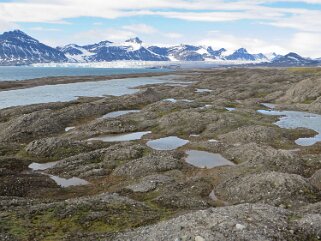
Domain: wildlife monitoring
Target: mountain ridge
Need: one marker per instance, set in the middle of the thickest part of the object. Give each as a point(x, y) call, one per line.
point(18, 48)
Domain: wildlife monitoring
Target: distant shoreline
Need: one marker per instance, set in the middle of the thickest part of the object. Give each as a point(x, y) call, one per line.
point(23, 84)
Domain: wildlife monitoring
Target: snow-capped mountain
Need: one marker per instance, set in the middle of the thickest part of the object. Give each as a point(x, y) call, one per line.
point(76, 53)
point(272, 56)
point(18, 48)
point(188, 52)
point(293, 59)
point(131, 49)
point(243, 54)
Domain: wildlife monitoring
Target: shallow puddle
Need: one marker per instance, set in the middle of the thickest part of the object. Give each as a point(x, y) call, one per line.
point(203, 159)
point(167, 143)
point(69, 128)
point(115, 114)
point(176, 100)
point(269, 105)
point(42, 166)
point(121, 137)
point(63, 182)
point(213, 196)
point(297, 119)
point(205, 107)
point(203, 90)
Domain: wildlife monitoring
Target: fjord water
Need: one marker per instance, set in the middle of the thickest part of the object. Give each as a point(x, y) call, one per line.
point(297, 119)
point(68, 92)
point(28, 72)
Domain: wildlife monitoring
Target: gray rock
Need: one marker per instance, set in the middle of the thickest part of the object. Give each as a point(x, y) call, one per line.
point(248, 134)
point(157, 161)
point(315, 180)
point(258, 222)
point(97, 163)
point(56, 148)
point(270, 187)
point(149, 183)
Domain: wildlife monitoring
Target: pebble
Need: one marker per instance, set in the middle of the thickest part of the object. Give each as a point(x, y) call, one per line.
point(199, 238)
point(239, 226)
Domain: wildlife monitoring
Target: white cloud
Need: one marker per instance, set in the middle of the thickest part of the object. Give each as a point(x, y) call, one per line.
point(212, 10)
point(304, 43)
point(97, 35)
point(303, 20)
point(173, 35)
point(309, 44)
point(140, 28)
point(42, 29)
point(232, 42)
point(4, 25)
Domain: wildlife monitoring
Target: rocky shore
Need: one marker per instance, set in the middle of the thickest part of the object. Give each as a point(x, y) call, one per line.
point(93, 181)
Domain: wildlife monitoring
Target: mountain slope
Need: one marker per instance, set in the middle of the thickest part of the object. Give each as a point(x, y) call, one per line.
point(18, 48)
point(293, 59)
point(244, 55)
point(131, 49)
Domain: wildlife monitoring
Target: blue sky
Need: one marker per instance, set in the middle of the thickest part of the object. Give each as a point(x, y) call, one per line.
point(258, 25)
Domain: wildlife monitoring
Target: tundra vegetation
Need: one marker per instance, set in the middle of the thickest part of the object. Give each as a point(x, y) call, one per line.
point(134, 192)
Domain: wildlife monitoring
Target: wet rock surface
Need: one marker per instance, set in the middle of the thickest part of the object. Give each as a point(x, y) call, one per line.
point(133, 192)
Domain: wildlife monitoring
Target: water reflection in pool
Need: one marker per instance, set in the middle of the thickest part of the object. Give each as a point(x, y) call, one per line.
point(297, 119)
point(176, 100)
point(167, 143)
point(121, 137)
point(203, 159)
point(115, 114)
point(203, 90)
point(63, 182)
point(42, 166)
point(69, 128)
point(68, 92)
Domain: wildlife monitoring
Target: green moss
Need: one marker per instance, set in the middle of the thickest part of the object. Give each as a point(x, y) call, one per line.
point(50, 225)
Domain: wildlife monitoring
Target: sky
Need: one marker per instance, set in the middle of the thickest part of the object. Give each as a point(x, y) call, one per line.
point(258, 25)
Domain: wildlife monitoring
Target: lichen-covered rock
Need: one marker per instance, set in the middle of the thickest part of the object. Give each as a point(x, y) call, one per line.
point(248, 134)
point(191, 194)
point(182, 122)
point(305, 90)
point(315, 180)
point(157, 161)
point(309, 226)
point(22, 185)
point(269, 187)
point(149, 183)
point(109, 211)
point(265, 158)
point(124, 151)
point(98, 163)
point(241, 222)
point(13, 163)
point(56, 148)
point(30, 126)
point(314, 208)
